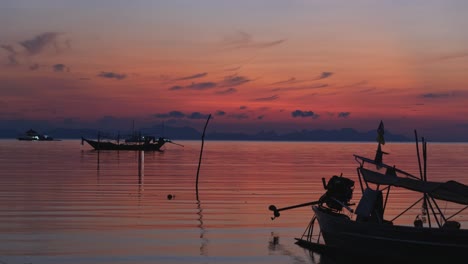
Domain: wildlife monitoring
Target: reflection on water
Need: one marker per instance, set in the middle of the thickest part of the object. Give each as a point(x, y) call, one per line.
point(62, 202)
point(204, 241)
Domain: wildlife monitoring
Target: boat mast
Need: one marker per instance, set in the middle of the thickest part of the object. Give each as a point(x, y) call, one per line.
point(423, 176)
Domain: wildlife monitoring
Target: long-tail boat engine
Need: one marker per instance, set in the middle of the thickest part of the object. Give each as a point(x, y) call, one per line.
point(338, 195)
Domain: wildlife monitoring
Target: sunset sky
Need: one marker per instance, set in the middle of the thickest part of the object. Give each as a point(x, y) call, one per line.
point(255, 65)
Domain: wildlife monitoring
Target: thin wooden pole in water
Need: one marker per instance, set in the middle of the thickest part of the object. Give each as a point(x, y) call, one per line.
point(98, 148)
point(141, 162)
point(201, 152)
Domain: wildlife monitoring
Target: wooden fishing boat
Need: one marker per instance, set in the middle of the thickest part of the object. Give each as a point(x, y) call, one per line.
point(364, 232)
point(150, 144)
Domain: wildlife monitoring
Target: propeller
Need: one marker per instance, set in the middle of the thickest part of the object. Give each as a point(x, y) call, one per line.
point(277, 210)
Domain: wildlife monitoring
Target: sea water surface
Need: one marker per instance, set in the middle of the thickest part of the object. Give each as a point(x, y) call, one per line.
point(62, 202)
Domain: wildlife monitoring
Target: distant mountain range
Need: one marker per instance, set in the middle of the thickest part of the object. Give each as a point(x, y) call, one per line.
point(188, 133)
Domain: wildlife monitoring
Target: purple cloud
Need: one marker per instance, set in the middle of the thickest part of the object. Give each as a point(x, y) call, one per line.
point(242, 40)
point(300, 113)
point(195, 76)
point(324, 75)
point(271, 98)
point(234, 80)
point(37, 44)
point(201, 86)
point(173, 114)
point(112, 75)
point(227, 91)
point(343, 114)
point(60, 68)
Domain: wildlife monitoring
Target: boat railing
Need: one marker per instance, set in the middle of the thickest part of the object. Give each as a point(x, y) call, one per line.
point(430, 191)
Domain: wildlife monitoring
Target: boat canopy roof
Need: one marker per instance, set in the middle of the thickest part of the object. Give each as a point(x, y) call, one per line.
point(452, 191)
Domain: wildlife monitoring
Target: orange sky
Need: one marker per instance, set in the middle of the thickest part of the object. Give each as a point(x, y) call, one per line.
point(253, 65)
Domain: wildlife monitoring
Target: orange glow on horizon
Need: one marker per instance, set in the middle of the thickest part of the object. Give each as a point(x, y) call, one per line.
point(383, 61)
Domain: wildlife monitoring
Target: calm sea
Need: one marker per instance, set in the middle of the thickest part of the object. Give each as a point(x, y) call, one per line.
point(62, 202)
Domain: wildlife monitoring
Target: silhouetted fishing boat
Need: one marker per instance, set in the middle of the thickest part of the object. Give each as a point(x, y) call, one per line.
point(150, 144)
point(32, 135)
point(137, 138)
point(364, 232)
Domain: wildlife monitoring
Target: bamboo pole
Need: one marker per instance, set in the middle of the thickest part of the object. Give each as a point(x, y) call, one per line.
point(201, 152)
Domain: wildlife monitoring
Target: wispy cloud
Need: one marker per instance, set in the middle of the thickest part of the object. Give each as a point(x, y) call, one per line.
point(263, 99)
point(233, 69)
point(197, 115)
point(308, 87)
point(242, 40)
point(363, 82)
point(288, 81)
point(367, 90)
point(344, 114)
point(293, 80)
point(228, 81)
point(227, 91)
point(34, 46)
point(300, 113)
point(194, 86)
point(60, 68)
point(179, 115)
point(450, 56)
point(220, 113)
point(201, 86)
point(175, 88)
point(436, 95)
point(234, 80)
point(324, 75)
point(173, 114)
point(12, 54)
point(37, 44)
point(195, 76)
point(112, 75)
point(8, 48)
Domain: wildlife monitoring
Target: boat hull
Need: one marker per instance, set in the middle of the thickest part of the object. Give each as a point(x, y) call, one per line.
point(104, 145)
point(391, 241)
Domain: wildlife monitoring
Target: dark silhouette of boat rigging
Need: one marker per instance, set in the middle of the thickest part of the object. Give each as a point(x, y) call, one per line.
point(364, 231)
